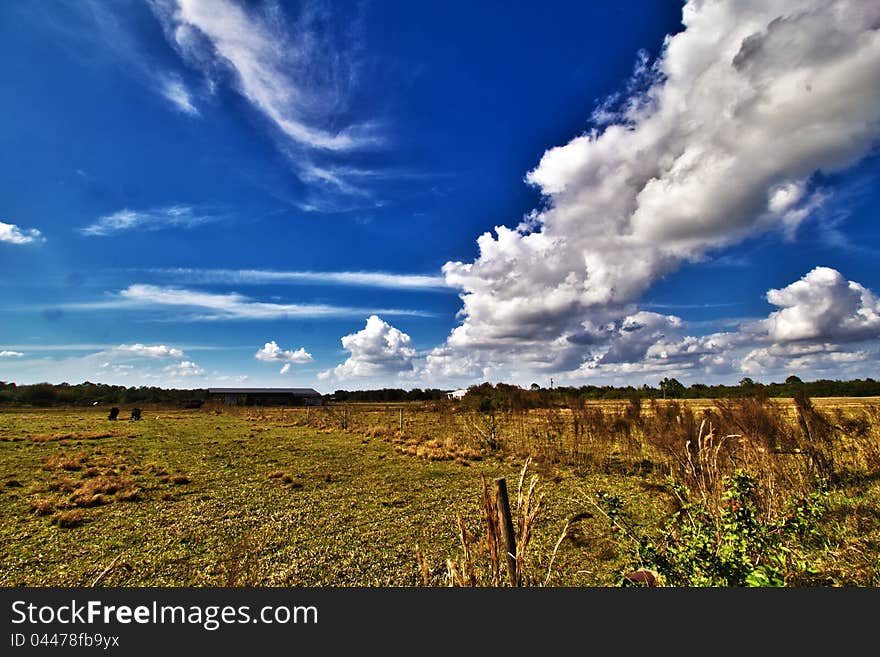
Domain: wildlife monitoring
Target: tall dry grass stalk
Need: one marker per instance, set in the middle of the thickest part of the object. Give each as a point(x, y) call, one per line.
point(527, 508)
point(786, 445)
point(704, 467)
point(480, 562)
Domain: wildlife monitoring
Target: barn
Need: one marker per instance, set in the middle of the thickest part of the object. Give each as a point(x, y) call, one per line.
point(267, 396)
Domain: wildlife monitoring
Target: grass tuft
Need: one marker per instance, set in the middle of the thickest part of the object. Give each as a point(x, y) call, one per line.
point(68, 519)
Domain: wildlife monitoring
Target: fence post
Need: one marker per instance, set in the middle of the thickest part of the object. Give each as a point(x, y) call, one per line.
point(400, 419)
point(502, 503)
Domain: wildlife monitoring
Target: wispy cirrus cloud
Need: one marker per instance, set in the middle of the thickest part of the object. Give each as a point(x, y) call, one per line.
point(12, 234)
point(74, 347)
point(174, 89)
point(210, 306)
point(173, 216)
point(77, 24)
point(297, 76)
point(297, 66)
point(376, 279)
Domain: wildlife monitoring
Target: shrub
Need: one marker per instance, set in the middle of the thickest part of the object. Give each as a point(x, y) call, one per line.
point(729, 545)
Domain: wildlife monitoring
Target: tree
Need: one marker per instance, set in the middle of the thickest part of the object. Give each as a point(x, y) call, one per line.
point(793, 380)
point(535, 386)
point(40, 394)
point(672, 388)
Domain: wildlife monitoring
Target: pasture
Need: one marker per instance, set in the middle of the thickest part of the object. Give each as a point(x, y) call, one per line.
point(392, 495)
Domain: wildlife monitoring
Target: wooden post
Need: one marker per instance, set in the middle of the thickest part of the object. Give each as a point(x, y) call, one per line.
point(400, 419)
point(502, 504)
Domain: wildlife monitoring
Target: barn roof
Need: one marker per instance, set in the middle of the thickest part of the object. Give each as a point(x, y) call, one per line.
point(300, 392)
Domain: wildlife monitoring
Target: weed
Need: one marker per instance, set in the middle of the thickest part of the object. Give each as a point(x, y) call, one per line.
point(729, 545)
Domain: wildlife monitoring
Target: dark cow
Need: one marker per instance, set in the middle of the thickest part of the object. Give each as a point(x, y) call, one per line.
point(114, 413)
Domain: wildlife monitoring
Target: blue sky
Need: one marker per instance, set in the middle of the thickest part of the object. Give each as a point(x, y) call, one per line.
point(368, 194)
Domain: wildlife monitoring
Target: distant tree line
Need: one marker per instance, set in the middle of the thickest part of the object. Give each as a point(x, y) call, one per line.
point(90, 394)
point(484, 396)
point(504, 396)
point(386, 395)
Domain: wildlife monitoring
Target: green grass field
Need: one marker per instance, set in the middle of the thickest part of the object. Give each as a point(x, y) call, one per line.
point(231, 500)
point(242, 497)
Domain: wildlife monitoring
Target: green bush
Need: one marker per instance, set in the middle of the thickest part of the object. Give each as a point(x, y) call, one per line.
point(729, 545)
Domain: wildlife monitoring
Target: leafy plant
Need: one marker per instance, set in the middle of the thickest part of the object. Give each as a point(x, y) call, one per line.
point(727, 545)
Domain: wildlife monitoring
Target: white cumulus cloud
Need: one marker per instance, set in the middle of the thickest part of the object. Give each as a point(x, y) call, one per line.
point(825, 323)
point(184, 369)
point(739, 112)
point(377, 350)
point(272, 353)
point(8, 353)
point(150, 351)
point(823, 305)
point(14, 235)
